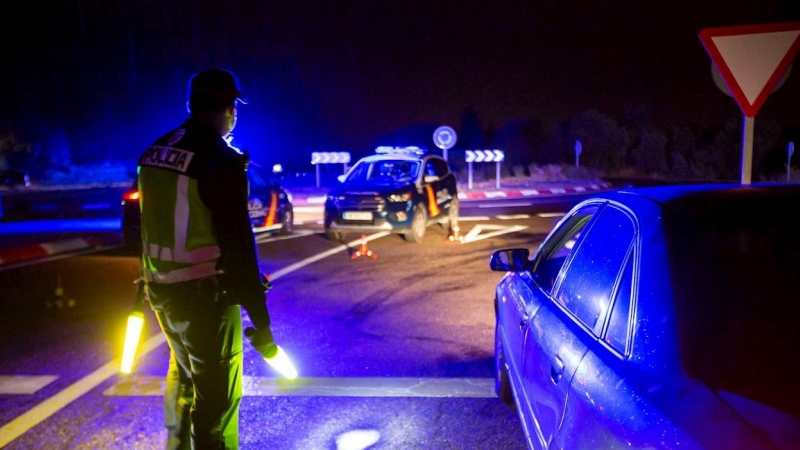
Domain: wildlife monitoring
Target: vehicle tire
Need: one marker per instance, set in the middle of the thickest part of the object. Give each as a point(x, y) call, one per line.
point(287, 222)
point(418, 225)
point(502, 384)
point(333, 236)
point(452, 217)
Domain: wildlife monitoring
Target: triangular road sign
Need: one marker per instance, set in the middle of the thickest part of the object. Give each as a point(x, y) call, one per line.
point(752, 58)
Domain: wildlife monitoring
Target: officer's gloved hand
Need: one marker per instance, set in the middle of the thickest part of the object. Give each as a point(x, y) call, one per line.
point(262, 341)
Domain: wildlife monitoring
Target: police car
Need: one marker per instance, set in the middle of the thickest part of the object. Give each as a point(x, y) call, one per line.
point(402, 190)
point(270, 208)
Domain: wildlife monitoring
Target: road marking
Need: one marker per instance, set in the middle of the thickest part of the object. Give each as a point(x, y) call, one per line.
point(475, 233)
point(473, 218)
point(299, 265)
point(24, 384)
point(136, 385)
point(513, 217)
point(550, 215)
point(52, 405)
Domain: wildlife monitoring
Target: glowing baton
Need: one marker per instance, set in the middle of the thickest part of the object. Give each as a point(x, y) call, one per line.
point(133, 331)
point(277, 358)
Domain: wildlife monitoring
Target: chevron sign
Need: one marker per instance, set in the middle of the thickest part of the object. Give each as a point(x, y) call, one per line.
point(330, 158)
point(485, 155)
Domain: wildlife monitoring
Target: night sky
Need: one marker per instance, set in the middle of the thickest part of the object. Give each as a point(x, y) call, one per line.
point(324, 75)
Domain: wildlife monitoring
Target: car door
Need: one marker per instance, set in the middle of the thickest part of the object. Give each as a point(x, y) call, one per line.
point(436, 191)
point(548, 261)
point(573, 316)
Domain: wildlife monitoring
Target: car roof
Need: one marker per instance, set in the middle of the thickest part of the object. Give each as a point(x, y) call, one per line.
point(672, 193)
point(394, 157)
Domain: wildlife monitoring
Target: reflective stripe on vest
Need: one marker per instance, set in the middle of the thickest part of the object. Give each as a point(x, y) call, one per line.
point(199, 262)
point(185, 274)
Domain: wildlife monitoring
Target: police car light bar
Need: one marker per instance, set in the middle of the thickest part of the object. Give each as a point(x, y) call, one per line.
point(408, 150)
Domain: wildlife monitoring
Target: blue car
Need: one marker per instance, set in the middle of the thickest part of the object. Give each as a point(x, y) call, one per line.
point(657, 318)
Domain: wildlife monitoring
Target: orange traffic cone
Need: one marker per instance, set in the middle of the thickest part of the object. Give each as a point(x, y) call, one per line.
point(363, 250)
point(455, 236)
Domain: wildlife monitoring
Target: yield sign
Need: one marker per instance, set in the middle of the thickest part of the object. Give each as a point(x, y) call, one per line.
point(752, 58)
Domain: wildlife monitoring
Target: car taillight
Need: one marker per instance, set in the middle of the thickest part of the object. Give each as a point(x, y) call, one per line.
point(131, 195)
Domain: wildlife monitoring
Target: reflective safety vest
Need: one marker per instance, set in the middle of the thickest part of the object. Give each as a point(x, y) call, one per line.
point(178, 241)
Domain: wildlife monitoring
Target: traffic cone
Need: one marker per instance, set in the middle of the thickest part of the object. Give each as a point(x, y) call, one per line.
point(455, 236)
point(363, 250)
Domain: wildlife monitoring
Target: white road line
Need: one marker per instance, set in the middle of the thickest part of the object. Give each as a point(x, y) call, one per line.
point(473, 218)
point(550, 214)
point(52, 405)
point(299, 265)
point(475, 233)
point(513, 216)
point(330, 387)
point(24, 384)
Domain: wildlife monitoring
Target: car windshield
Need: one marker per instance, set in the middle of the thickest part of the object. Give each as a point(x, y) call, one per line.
point(735, 263)
point(385, 171)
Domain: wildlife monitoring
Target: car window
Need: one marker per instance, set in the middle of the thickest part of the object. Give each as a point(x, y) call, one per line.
point(593, 272)
point(256, 178)
point(618, 333)
point(556, 248)
point(437, 167)
point(385, 171)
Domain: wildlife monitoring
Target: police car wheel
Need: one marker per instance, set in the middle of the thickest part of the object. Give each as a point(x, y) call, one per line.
point(452, 217)
point(418, 225)
point(333, 235)
point(287, 222)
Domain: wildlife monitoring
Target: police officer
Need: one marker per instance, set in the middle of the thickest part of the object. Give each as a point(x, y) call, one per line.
point(200, 264)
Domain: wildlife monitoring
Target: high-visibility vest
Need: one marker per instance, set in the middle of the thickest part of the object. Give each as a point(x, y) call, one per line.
point(178, 241)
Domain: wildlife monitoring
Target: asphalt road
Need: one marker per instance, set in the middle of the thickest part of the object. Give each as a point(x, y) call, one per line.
point(393, 352)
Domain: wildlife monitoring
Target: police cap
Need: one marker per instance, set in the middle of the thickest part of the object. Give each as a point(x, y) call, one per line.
point(213, 90)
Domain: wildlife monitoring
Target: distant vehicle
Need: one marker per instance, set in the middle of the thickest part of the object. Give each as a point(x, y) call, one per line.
point(14, 178)
point(657, 318)
point(270, 208)
point(399, 190)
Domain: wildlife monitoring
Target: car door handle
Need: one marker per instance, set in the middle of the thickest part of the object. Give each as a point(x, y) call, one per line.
point(557, 369)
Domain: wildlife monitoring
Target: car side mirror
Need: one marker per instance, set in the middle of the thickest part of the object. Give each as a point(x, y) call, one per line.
point(430, 178)
point(342, 177)
point(510, 260)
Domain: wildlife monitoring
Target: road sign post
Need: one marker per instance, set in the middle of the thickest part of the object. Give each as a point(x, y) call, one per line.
point(578, 151)
point(445, 138)
point(752, 61)
point(789, 153)
point(318, 158)
point(496, 156)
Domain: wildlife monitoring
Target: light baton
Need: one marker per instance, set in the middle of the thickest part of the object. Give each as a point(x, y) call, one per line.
point(132, 335)
point(277, 358)
point(281, 363)
point(133, 331)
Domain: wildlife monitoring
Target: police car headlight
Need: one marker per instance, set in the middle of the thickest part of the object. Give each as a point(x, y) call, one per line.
point(397, 198)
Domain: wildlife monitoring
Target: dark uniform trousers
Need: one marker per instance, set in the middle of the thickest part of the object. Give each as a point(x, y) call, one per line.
point(204, 382)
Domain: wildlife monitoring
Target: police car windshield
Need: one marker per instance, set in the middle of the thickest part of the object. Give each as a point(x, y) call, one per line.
point(385, 171)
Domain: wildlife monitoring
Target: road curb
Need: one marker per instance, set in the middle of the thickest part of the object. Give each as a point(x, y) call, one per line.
point(514, 193)
point(42, 250)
